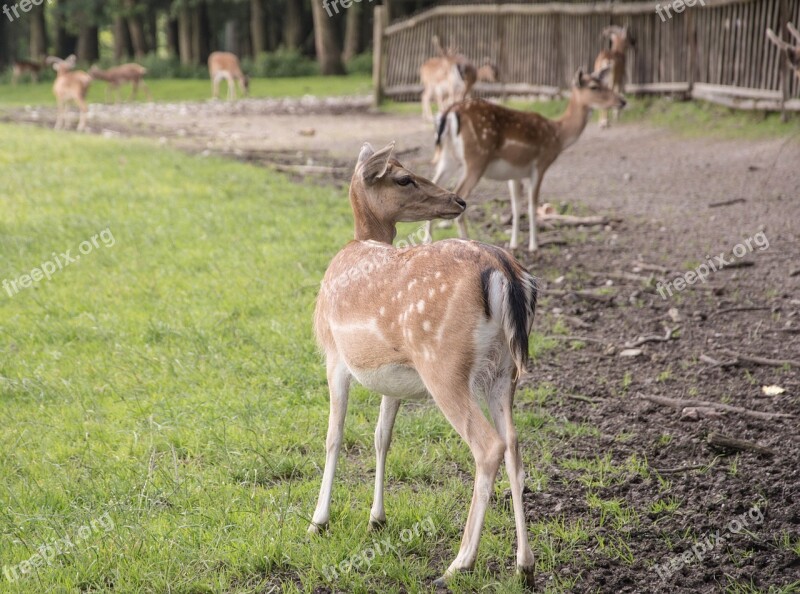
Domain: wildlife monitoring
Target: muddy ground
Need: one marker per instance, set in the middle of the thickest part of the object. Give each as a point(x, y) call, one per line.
point(600, 285)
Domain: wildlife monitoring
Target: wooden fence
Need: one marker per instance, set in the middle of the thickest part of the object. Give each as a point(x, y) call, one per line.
point(715, 50)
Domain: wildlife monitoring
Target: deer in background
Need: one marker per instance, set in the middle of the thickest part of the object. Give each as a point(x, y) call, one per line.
point(118, 75)
point(792, 52)
point(449, 77)
point(614, 58)
point(481, 139)
point(225, 65)
point(21, 67)
point(447, 321)
point(70, 85)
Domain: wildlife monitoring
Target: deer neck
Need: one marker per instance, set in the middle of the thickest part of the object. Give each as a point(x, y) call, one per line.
point(572, 122)
point(368, 226)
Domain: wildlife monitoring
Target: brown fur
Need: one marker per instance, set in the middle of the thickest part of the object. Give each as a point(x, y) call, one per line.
point(613, 58)
point(70, 86)
point(118, 75)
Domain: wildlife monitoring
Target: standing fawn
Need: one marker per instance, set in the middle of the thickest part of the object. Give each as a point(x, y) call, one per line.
point(792, 52)
point(225, 65)
point(614, 58)
point(449, 77)
point(21, 67)
point(70, 85)
point(483, 139)
point(118, 75)
point(446, 321)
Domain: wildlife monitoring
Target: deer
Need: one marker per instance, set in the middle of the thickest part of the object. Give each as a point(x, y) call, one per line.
point(480, 139)
point(446, 321)
point(118, 75)
point(615, 59)
point(21, 67)
point(449, 77)
point(225, 65)
point(792, 52)
point(70, 85)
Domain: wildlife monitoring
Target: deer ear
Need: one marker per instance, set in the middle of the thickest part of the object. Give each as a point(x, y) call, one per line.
point(602, 74)
point(374, 164)
point(577, 81)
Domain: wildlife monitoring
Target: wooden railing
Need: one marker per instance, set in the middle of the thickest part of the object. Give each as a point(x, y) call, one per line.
point(715, 50)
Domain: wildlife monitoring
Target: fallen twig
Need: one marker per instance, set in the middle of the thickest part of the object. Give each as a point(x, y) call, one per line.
point(651, 267)
point(726, 202)
point(722, 441)
point(738, 264)
point(577, 338)
point(645, 339)
point(739, 357)
point(714, 363)
point(573, 221)
point(589, 295)
point(680, 404)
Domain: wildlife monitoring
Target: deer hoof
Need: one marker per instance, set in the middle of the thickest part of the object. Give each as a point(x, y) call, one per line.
point(527, 574)
point(376, 525)
point(317, 528)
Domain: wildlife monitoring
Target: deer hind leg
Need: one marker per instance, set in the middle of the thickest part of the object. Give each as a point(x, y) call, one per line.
point(60, 108)
point(339, 388)
point(215, 85)
point(383, 437)
point(500, 399)
point(515, 189)
point(231, 87)
point(533, 205)
point(146, 90)
point(462, 410)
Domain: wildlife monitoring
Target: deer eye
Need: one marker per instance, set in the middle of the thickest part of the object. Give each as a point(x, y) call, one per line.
point(404, 181)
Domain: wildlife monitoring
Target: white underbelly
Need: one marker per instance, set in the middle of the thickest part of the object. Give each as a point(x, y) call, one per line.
point(396, 381)
point(502, 170)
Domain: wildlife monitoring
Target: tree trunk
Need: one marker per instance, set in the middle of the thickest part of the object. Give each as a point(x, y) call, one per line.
point(352, 32)
point(122, 40)
point(38, 45)
point(293, 25)
point(65, 42)
point(200, 34)
point(151, 31)
point(88, 49)
point(329, 53)
point(172, 38)
point(257, 27)
point(185, 35)
point(231, 44)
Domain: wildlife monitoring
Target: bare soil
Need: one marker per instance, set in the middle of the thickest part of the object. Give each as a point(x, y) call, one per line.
point(659, 185)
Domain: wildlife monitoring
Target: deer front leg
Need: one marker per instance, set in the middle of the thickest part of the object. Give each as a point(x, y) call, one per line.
point(339, 388)
point(383, 437)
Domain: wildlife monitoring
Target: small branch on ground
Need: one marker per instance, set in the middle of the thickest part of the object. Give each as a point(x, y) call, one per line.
point(726, 202)
point(587, 294)
point(740, 358)
point(719, 312)
point(558, 220)
point(651, 267)
point(739, 264)
point(680, 404)
point(645, 339)
point(723, 442)
point(714, 363)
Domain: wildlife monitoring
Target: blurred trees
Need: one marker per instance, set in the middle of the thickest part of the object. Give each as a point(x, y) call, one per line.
point(188, 30)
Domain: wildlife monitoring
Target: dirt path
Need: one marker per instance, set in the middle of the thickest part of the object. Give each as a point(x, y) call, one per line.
point(660, 186)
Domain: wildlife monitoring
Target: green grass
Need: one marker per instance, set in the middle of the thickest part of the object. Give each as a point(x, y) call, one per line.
point(26, 93)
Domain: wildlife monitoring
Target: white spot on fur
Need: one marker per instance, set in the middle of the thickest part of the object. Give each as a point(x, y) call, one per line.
point(426, 325)
point(420, 306)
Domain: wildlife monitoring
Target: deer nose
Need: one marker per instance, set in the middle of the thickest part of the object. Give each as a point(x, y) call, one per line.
point(622, 101)
point(461, 203)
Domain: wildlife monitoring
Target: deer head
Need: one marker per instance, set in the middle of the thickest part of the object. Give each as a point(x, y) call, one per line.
point(589, 90)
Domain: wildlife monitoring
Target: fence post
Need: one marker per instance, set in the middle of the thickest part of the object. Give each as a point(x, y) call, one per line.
point(783, 31)
point(378, 47)
point(691, 39)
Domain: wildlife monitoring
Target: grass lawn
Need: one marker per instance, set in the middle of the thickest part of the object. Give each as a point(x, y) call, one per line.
point(26, 93)
point(163, 405)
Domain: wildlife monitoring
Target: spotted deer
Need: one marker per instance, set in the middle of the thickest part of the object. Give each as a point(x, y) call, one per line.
point(70, 86)
point(119, 75)
point(792, 52)
point(480, 139)
point(446, 321)
point(614, 58)
point(225, 66)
